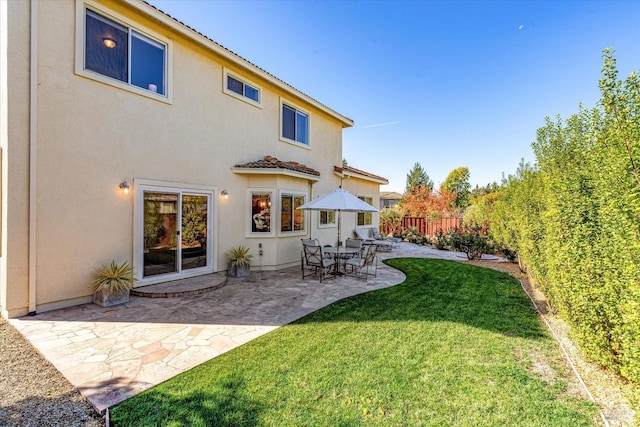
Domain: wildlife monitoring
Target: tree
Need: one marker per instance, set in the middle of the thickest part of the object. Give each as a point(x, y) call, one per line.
point(428, 204)
point(418, 178)
point(458, 181)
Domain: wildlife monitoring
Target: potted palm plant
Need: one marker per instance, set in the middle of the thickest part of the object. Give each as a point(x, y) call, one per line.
point(112, 284)
point(239, 262)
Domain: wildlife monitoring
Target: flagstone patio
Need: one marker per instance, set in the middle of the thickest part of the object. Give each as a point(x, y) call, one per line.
point(113, 353)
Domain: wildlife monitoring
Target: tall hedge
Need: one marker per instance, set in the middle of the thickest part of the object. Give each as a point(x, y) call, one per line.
point(575, 221)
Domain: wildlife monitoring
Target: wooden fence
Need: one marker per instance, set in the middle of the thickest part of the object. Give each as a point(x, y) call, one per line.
point(423, 226)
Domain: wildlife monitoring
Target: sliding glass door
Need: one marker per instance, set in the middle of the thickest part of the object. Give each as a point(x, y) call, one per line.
point(175, 231)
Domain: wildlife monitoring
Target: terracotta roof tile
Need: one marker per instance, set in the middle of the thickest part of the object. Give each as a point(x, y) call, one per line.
point(270, 162)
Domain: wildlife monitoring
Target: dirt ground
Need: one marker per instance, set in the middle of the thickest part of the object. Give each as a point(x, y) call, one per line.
point(608, 389)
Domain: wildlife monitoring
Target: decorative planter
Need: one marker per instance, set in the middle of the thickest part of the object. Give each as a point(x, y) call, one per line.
point(106, 298)
point(235, 271)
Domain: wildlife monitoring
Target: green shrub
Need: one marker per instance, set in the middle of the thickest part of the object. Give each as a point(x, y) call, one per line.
point(470, 241)
point(574, 221)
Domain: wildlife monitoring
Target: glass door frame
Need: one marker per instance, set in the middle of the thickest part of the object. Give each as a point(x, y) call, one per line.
point(144, 186)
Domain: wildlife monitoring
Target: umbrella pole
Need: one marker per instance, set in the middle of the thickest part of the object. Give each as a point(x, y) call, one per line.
point(339, 217)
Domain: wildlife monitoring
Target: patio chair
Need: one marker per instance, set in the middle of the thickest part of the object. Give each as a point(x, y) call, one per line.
point(353, 243)
point(382, 245)
point(376, 235)
point(313, 261)
point(360, 266)
point(310, 242)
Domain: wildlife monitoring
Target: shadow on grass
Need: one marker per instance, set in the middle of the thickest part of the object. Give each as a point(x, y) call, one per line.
point(226, 404)
point(435, 292)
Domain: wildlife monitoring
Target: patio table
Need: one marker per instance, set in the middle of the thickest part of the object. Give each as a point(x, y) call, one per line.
point(340, 254)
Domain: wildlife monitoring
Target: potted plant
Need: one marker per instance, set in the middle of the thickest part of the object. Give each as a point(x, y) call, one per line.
point(239, 262)
point(112, 284)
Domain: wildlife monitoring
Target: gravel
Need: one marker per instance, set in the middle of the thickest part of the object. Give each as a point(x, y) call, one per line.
point(33, 392)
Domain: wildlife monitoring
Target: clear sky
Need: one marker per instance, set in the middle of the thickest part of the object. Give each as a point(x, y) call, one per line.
point(442, 83)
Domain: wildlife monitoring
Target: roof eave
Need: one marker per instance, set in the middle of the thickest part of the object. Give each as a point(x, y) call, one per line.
point(192, 34)
point(275, 171)
point(349, 174)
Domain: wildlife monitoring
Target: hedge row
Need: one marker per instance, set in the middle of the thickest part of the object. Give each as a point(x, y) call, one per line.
point(574, 221)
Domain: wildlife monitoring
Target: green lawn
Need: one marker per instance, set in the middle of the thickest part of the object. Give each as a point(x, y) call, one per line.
point(452, 345)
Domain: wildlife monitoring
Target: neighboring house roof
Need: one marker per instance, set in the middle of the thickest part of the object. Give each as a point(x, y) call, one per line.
point(350, 171)
point(390, 195)
point(271, 165)
point(209, 43)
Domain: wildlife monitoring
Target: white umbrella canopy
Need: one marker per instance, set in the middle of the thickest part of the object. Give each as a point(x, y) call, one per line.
point(338, 200)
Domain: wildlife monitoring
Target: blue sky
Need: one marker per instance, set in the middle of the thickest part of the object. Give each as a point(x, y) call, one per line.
point(442, 83)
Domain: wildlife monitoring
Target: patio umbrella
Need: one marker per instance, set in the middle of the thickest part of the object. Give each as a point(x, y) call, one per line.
point(338, 200)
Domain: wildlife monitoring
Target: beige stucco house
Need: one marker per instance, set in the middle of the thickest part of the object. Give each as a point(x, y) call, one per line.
point(126, 135)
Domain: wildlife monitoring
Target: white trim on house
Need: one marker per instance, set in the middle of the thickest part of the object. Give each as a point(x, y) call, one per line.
point(142, 185)
point(209, 44)
point(294, 193)
point(298, 109)
point(365, 214)
point(80, 30)
point(333, 224)
point(275, 171)
point(228, 73)
point(273, 208)
point(345, 174)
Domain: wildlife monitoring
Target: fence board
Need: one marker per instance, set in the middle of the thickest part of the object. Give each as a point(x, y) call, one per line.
point(422, 226)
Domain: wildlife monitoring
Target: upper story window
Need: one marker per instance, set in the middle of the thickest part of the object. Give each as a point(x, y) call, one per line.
point(117, 51)
point(295, 124)
point(241, 88)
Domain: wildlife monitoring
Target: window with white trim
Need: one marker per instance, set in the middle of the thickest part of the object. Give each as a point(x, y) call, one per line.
point(365, 218)
point(261, 212)
point(295, 124)
point(327, 217)
point(120, 52)
point(242, 88)
point(291, 219)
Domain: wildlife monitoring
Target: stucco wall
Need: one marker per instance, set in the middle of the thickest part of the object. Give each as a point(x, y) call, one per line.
point(92, 136)
point(14, 141)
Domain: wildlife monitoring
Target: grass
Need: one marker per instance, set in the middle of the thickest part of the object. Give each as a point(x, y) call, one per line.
point(454, 344)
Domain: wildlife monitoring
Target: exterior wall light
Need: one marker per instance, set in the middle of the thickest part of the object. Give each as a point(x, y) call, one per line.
point(125, 187)
point(109, 42)
point(225, 194)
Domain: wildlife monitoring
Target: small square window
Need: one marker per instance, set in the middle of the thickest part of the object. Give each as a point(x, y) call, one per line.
point(251, 93)
point(234, 85)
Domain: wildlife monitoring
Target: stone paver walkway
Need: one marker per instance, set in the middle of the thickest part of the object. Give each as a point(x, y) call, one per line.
point(111, 354)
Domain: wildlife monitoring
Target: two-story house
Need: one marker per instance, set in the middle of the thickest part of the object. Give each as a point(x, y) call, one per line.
point(127, 135)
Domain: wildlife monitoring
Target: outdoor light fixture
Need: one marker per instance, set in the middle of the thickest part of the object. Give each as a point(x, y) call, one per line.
point(225, 194)
point(109, 42)
point(125, 187)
